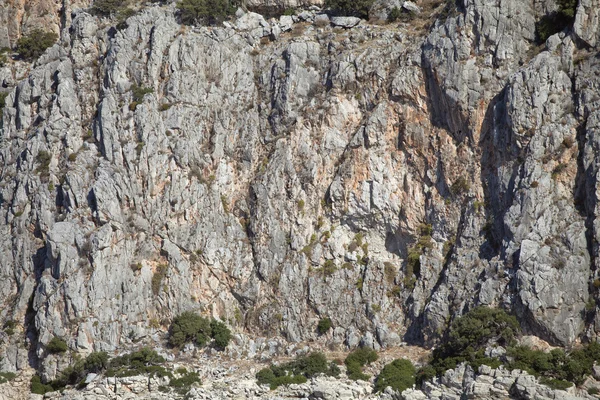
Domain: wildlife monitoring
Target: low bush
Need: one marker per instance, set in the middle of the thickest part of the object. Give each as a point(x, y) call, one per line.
point(556, 21)
point(468, 337)
point(470, 334)
point(324, 325)
point(3, 96)
point(37, 387)
point(205, 11)
point(43, 158)
point(358, 359)
point(358, 8)
point(56, 346)
point(190, 327)
point(297, 371)
point(141, 362)
point(7, 376)
point(220, 333)
point(183, 384)
point(33, 45)
point(399, 375)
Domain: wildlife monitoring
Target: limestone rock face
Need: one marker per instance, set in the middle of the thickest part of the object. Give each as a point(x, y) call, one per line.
point(273, 172)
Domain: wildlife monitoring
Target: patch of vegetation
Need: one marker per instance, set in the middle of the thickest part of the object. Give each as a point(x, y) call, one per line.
point(138, 93)
point(357, 8)
point(37, 387)
point(460, 186)
point(10, 325)
point(297, 371)
point(183, 384)
point(389, 271)
point(33, 45)
point(3, 96)
point(324, 325)
point(157, 278)
point(43, 158)
point(556, 368)
point(559, 169)
point(556, 21)
point(468, 337)
point(141, 362)
point(399, 375)
point(189, 327)
point(413, 259)
point(205, 11)
point(358, 359)
point(108, 8)
point(74, 374)
point(470, 334)
point(220, 333)
point(56, 346)
point(7, 376)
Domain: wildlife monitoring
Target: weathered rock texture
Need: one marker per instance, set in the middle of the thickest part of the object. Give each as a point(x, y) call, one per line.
point(272, 173)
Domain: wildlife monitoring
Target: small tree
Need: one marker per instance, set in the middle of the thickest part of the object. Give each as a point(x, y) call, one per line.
point(33, 45)
point(189, 327)
point(210, 11)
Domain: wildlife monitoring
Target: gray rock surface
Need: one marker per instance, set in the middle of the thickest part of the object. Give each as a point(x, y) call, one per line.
point(272, 172)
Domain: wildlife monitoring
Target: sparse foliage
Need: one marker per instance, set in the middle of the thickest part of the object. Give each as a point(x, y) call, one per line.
point(205, 11)
point(358, 8)
point(33, 45)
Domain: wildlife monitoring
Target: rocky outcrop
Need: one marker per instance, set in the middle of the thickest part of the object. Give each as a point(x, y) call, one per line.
point(488, 383)
point(273, 172)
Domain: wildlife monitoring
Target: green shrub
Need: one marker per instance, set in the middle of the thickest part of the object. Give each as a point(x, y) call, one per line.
point(399, 375)
point(189, 327)
point(183, 384)
point(56, 346)
point(358, 359)
point(96, 362)
point(471, 333)
point(158, 276)
point(358, 8)
point(7, 376)
point(556, 21)
point(324, 325)
point(460, 186)
point(3, 96)
point(593, 391)
point(107, 8)
point(43, 158)
point(33, 45)
point(394, 14)
point(209, 11)
point(10, 325)
point(297, 371)
point(37, 387)
point(139, 92)
point(143, 361)
point(557, 384)
point(220, 333)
